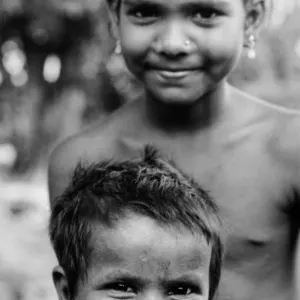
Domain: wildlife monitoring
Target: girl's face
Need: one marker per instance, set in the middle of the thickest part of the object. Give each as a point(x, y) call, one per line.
point(181, 49)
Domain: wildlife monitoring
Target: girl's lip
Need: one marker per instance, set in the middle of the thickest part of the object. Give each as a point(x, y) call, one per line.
point(174, 74)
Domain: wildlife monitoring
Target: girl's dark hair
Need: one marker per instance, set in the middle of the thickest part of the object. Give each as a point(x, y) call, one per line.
point(105, 191)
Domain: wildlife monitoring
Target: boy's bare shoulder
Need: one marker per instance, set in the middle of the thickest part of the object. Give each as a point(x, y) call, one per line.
point(97, 142)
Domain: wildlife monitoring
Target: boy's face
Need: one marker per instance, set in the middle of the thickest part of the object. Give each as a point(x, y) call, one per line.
point(181, 49)
point(141, 260)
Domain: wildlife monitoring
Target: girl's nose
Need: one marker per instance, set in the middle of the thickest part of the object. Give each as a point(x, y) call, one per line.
point(173, 42)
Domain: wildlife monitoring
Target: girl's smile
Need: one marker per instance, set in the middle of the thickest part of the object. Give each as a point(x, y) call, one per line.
point(173, 76)
point(187, 44)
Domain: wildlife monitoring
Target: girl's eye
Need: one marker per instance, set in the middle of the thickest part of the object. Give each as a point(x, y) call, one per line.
point(180, 291)
point(144, 14)
point(206, 15)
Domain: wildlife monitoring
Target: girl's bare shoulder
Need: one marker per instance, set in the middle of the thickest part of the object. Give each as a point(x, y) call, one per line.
point(275, 126)
point(96, 142)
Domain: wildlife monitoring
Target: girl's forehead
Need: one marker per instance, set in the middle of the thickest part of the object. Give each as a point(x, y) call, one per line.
point(173, 2)
point(222, 5)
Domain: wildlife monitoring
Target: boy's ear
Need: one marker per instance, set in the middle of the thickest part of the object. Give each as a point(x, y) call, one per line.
point(255, 16)
point(61, 283)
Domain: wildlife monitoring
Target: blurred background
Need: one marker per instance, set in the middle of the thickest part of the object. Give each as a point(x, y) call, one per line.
point(57, 73)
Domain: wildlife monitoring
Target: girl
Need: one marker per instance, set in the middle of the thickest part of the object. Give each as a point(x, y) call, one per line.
point(241, 149)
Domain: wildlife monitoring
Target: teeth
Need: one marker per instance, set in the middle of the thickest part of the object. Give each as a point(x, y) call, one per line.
point(174, 73)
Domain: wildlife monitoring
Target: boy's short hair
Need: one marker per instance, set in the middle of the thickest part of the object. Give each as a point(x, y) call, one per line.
point(105, 191)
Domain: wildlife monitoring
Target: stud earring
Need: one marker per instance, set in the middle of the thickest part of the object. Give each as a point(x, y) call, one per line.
point(187, 43)
point(251, 47)
point(118, 49)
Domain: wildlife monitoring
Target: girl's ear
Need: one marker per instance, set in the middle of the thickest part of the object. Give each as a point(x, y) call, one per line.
point(255, 16)
point(113, 10)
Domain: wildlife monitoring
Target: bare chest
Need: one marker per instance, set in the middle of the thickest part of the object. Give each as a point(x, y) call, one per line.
point(250, 188)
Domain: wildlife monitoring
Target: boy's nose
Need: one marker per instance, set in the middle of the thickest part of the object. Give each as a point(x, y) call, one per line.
point(153, 295)
point(173, 42)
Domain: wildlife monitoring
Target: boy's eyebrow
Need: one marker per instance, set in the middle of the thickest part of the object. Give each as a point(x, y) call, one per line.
point(112, 274)
point(189, 277)
point(121, 274)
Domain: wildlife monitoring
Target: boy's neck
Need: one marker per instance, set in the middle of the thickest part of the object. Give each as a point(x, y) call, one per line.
point(203, 114)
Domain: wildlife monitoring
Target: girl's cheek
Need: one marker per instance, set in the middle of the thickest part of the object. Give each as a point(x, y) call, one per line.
point(134, 40)
point(224, 45)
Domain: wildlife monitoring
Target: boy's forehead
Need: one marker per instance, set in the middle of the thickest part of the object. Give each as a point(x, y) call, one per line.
point(139, 247)
point(137, 235)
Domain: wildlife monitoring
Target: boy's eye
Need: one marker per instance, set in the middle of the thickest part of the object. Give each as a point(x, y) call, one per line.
point(121, 287)
point(181, 290)
point(207, 14)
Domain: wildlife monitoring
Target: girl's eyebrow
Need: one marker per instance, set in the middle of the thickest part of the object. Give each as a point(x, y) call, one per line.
point(150, 3)
point(135, 2)
point(206, 3)
point(186, 3)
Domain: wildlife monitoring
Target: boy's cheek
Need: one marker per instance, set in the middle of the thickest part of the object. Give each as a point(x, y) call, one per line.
point(91, 295)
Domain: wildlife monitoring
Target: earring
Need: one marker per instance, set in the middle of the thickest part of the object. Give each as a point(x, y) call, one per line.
point(251, 47)
point(187, 43)
point(118, 49)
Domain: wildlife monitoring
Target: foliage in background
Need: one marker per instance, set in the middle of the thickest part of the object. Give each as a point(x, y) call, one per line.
point(58, 71)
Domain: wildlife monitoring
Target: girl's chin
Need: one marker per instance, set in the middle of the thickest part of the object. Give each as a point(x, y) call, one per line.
point(175, 96)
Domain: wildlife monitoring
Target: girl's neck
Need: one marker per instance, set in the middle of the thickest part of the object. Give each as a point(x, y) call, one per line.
point(206, 112)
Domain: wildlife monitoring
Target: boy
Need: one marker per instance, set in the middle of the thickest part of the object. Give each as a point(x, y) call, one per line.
point(135, 229)
point(243, 150)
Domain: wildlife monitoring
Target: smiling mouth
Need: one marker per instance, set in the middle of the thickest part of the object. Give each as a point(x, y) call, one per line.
point(174, 74)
